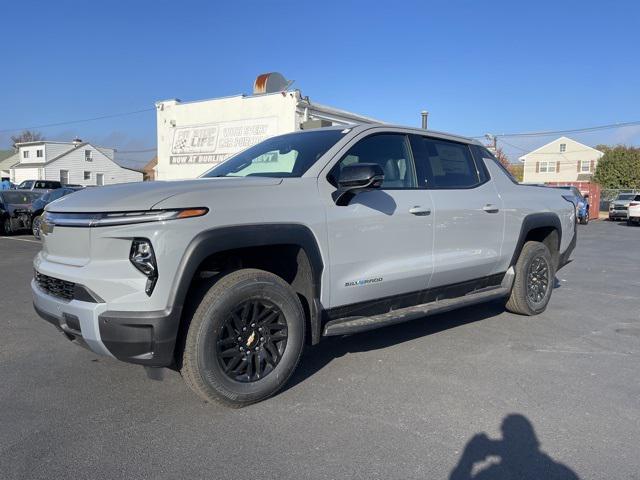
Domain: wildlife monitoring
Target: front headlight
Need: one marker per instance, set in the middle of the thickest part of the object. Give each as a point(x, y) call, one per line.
point(121, 218)
point(143, 258)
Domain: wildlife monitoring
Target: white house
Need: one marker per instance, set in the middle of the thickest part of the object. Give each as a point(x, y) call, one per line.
point(77, 163)
point(562, 160)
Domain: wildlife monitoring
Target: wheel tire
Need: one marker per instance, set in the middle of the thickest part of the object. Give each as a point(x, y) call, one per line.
point(585, 219)
point(6, 227)
point(629, 223)
point(202, 363)
point(520, 301)
point(35, 226)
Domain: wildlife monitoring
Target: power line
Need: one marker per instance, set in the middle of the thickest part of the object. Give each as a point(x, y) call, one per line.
point(58, 124)
point(146, 150)
point(572, 130)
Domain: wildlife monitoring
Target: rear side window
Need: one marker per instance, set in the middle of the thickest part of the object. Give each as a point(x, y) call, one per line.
point(390, 151)
point(443, 164)
point(484, 153)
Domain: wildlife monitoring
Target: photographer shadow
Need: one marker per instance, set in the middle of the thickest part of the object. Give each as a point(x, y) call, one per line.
point(516, 456)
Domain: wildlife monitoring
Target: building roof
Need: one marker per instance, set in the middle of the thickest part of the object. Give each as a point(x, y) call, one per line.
point(7, 162)
point(72, 148)
point(567, 139)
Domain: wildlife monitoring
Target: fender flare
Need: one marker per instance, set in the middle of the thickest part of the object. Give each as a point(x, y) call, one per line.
point(210, 242)
point(531, 222)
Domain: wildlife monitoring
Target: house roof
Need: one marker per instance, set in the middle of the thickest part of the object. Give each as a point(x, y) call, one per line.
point(72, 148)
point(587, 147)
point(7, 162)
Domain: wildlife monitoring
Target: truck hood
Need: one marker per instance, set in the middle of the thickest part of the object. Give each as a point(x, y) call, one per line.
point(145, 195)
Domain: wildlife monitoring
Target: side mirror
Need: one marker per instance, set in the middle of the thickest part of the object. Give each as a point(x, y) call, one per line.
point(356, 178)
point(586, 195)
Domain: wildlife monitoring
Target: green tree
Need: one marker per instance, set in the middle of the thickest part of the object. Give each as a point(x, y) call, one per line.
point(619, 167)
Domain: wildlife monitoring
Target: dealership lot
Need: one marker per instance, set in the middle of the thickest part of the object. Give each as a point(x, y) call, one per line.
point(401, 402)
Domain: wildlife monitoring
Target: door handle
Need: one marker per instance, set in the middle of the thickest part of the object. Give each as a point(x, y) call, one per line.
point(420, 211)
point(490, 208)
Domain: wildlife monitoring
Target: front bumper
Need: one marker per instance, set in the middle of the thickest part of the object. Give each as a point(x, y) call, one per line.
point(615, 214)
point(146, 338)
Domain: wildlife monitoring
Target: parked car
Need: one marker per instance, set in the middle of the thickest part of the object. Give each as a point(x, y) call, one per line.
point(39, 185)
point(15, 210)
point(580, 201)
point(618, 207)
point(37, 208)
point(307, 235)
point(633, 212)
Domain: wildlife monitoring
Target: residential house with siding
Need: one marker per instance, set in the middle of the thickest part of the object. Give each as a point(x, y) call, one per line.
point(562, 160)
point(77, 163)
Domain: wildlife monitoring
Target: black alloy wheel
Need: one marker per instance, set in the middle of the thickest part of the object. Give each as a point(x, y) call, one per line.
point(252, 340)
point(537, 279)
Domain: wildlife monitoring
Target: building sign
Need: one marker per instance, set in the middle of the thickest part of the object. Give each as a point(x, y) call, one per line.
point(215, 142)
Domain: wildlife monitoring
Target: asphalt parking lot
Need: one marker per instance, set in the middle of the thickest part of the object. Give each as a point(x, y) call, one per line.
point(556, 394)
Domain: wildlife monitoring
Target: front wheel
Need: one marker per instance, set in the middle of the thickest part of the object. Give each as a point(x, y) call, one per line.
point(35, 226)
point(7, 228)
point(533, 282)
point(245, 338)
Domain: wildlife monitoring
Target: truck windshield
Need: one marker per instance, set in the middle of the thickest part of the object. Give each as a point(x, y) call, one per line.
point(289, 155)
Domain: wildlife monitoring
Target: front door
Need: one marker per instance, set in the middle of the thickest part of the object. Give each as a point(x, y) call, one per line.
point(380, 245)
point(468, 215)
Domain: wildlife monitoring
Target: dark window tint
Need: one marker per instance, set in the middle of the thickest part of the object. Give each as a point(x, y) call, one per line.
point(389, 151)
point(444, 164)
point(288, 155)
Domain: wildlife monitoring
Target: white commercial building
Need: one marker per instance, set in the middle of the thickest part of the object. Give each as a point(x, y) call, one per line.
point(562, 160)
point(195, 136)
point(76, 163)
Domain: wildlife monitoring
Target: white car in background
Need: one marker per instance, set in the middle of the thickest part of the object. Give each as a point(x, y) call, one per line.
point(633, 212)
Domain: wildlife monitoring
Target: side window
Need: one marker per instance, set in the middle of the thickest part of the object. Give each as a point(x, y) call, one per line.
point(484, 153)
point(445, 165)
point(390, 151)
point(40, 185)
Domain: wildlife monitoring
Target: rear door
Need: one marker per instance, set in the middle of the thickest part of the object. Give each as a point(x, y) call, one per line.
point(468, 214)
point(380, 245)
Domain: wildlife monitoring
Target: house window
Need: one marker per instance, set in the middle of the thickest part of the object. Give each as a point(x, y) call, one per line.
point(87, 175)
point(547, 167)
point(99, 179)
point(563, 147)
point(64, 177)
point(25, 154)
point(39, 153)
point(87, 156)
point(585, 166)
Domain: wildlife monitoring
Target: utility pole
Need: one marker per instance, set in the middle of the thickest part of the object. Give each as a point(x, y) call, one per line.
point(425, 116)
point(494, 142)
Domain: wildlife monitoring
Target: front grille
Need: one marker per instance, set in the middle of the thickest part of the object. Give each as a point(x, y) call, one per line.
point(55, 286)
point(619, 207)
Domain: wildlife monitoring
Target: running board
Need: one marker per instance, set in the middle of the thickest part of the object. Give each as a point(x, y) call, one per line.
point(349, 325)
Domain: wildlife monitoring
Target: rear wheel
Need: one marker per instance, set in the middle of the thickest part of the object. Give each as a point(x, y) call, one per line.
point(533, 281)
point(245, 338)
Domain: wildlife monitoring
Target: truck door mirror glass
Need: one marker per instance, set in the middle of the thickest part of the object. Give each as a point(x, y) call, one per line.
point(355, 178)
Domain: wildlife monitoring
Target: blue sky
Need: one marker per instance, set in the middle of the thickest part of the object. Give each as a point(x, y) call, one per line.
point(478, 67)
